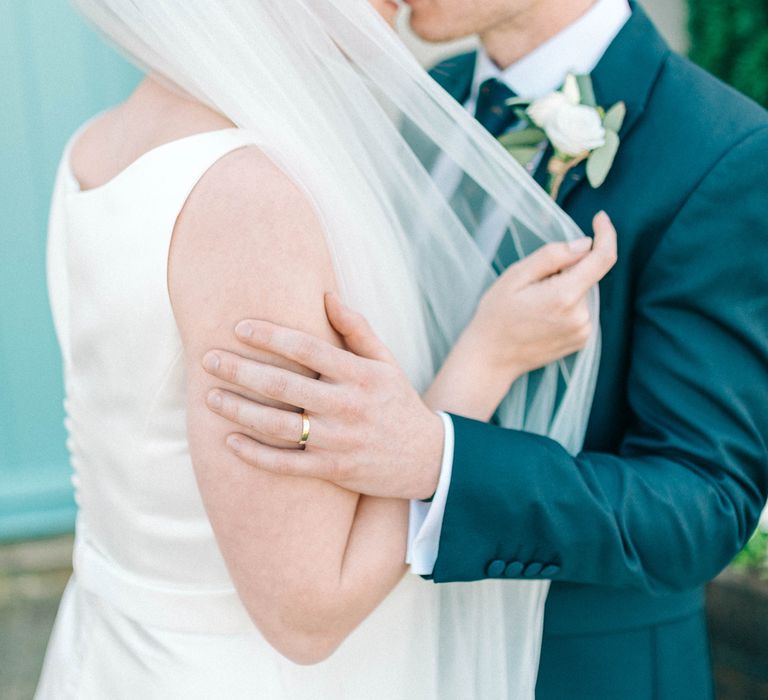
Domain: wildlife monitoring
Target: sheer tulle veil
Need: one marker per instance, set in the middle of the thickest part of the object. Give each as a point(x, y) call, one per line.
point(337, 101)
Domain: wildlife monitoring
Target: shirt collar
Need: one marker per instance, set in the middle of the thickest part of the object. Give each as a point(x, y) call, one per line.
point(576, 49)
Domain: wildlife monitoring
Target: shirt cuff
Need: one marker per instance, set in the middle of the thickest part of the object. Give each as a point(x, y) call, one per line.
point(426, 519)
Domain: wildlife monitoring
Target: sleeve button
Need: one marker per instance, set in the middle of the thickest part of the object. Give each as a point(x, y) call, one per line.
point(496, 568)
point(514, 569)
point(550, 571)
point(533, 569)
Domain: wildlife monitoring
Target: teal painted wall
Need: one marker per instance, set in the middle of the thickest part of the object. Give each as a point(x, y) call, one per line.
point(55, 72)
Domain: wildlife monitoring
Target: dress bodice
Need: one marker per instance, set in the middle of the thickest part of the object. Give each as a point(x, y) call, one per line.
point(141, 517)
point(151, 611)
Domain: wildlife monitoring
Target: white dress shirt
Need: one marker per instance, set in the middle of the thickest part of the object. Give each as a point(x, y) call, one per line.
point(576, 49)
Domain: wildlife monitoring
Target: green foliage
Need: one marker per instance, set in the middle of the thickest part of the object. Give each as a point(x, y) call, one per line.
point(600, 161)
point(754, 556)
point(524, 145)
point(730, 39)
point(532, 136)
point(614, 119)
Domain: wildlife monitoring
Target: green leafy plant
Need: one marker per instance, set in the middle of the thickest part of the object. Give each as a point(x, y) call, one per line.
point(754, 557)
point(730, 39)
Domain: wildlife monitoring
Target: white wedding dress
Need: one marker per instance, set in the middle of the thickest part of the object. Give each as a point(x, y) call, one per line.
point(151, 612)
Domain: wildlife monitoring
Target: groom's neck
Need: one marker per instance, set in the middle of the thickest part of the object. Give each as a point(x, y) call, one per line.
point(509, 41)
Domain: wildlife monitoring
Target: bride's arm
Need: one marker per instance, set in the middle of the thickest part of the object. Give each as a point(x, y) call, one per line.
point(310, 559)
point(248, 244)
point(377, 440)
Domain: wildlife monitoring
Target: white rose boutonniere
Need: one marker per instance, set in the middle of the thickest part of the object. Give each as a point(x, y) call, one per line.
point(542, 110)
point(575, 129)
point(578, 129)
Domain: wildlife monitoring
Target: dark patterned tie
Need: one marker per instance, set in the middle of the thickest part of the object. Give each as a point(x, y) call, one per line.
point(493, 112)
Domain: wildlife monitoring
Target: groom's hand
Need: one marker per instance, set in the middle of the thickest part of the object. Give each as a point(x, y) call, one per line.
point(370, 431)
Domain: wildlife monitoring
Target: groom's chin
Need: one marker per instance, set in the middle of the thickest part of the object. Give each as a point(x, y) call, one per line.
point(428, 29)
point(425, 18)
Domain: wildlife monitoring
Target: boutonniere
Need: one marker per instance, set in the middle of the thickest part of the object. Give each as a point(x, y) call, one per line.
point(576, 126)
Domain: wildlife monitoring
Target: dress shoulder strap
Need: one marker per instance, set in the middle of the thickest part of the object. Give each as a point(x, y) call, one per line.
point(176, 167)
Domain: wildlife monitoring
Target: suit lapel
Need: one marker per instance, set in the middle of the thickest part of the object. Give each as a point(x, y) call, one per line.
point(455, 75)
point(627, 72)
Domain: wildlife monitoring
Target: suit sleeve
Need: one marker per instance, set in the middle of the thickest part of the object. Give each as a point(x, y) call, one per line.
point(686, 486)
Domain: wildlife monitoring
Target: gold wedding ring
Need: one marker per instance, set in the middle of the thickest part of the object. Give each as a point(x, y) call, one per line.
point(305, 427)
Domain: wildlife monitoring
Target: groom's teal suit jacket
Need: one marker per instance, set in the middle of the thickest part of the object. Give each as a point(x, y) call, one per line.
point(674, 471)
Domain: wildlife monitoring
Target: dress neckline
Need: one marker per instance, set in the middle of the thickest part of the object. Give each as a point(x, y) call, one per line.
point(148, 155)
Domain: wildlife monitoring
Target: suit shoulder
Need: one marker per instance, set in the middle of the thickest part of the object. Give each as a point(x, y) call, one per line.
point(712, 110)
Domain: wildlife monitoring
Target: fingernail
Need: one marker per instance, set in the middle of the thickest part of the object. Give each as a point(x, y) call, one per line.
point(233, 443)
point(580, 245)
point(211, 361)
point(214, 399)
point(244, 329)
point(603, 216)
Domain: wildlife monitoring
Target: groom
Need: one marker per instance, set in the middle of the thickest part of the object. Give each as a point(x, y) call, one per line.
point(674, 470)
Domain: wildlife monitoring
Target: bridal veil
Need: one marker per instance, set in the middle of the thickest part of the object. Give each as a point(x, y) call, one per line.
point(338, 102)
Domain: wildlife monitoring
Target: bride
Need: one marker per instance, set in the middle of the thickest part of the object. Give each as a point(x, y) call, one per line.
point(258, 166)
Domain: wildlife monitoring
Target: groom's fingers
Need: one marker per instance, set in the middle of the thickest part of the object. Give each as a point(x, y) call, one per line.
point(303, 348)
point(273, 423)
point(600, 260)
point(280, 461)
point(271, 382)
point(356, 331)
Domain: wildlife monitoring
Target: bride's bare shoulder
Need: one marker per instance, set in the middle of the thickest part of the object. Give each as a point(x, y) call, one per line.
point(247, 194)
point(152, 116)
point(247, 241)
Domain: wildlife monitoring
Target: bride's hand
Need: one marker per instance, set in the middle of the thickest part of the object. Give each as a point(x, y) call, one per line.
point(534, 314)
point(537, 311)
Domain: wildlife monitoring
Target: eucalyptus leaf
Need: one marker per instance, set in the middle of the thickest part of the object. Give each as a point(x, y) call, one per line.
point(586, 90)
point(522, 115)
point(525, 137)
point(600, 161)
point(523, 154)
point(614, 119)
point(514, 101)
